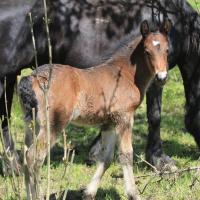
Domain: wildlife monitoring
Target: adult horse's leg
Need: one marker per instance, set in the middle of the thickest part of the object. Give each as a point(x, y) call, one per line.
point(154, 149)
point(8, 141)
point(192, 119)
point(124, 132)
point(192, 106)
point(108, 141)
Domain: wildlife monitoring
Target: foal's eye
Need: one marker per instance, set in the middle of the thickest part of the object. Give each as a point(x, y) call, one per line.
point(147, 52)
point(167, 51)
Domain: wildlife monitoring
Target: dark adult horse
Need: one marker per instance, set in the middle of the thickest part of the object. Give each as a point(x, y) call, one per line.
point(83, 31)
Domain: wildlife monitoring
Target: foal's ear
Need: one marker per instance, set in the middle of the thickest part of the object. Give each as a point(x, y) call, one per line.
point(144, 28)
point(166, 26)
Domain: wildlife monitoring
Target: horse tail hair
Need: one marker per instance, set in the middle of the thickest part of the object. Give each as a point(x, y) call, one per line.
point(28, 97)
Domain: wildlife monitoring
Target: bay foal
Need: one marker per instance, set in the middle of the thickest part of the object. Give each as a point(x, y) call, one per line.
point(106, 95)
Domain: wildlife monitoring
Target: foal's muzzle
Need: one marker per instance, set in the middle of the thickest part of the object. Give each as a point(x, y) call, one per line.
point(161, 77)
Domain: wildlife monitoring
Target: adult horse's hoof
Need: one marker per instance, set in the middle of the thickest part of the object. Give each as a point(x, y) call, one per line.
point(163, 162)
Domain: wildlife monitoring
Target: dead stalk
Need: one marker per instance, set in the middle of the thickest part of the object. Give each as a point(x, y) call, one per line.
point(33, 40)
point(34, 131)
point(162, 174)
point(47, 31)
point(46, 100)
point(6, 105)
point(45, 89)
point(154, 168)
point(68, 162)
point(9, 157)
point(7, 152)
point(65, 146)
point(48, 145)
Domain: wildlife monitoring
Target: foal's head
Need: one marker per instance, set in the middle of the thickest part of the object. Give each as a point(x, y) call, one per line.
point(155, 46)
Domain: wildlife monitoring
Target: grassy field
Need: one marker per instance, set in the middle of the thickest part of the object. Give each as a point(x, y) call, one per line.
point(176, 141)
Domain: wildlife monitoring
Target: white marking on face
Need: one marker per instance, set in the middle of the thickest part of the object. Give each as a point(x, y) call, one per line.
point(155, 42)
point(162, 75)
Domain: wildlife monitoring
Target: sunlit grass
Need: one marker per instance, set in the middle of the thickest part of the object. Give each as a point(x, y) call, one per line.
point(177, 143)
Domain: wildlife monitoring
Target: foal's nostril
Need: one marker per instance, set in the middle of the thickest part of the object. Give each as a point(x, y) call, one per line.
point(161, 76)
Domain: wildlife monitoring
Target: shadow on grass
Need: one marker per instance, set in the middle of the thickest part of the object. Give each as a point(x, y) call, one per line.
point(82, 138)
point(101, 194)
point(173, 148)
point(82, 150)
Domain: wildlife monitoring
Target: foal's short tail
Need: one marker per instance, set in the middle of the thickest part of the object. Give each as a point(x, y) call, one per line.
point(27, 96)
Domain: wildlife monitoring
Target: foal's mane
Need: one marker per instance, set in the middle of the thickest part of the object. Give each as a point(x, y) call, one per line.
point(128, 44)
point(125, 48)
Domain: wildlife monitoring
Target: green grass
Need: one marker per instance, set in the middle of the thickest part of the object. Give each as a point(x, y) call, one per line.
point(194, 3)
point(177, 143)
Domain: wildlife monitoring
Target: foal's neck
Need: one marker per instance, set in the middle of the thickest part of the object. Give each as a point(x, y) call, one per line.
point(132, 59)
point(143, 75)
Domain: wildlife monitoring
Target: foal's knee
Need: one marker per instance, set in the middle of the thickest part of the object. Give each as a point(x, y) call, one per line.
point(126, 158)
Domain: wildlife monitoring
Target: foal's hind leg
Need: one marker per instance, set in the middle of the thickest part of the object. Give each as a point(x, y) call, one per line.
point(124, 131)
point(108, 141)
point(95, 149)
point(35, 157)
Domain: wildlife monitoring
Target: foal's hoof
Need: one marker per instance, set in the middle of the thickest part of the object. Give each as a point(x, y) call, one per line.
point(86, 196)
point(135, 197)
point(163, 163)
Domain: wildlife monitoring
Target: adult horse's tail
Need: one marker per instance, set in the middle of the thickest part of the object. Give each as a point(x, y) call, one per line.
point(28, 98)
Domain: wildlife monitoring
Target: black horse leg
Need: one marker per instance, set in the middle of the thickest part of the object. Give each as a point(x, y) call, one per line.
point(8, 141)
point(154, 149)
point(192, 118)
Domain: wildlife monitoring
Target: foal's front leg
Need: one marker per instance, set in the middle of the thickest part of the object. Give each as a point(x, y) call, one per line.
point(124, 131)
point(108, 141)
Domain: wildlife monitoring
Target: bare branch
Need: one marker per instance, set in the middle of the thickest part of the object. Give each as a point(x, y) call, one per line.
point(33, 40)
point(47, 102)
point(153, 167)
